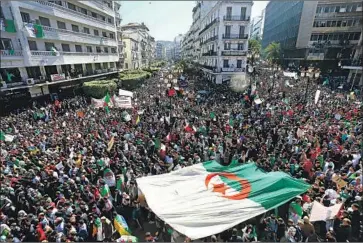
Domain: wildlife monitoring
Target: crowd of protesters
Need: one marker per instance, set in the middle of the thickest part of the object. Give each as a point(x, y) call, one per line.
point(52, 168)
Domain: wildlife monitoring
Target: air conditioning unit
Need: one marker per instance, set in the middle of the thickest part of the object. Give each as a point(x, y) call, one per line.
point(4, 85)
point(30, 81)
point(41, 78)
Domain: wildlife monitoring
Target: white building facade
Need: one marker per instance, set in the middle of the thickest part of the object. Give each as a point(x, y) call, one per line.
point(224, 28)
point(57, 40)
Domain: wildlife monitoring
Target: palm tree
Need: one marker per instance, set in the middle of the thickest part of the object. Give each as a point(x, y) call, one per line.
point(272, 52)
point(254, 46)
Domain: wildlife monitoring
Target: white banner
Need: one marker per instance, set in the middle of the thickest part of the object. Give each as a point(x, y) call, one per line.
point(97, 103)
point(122, 101)
point(317, 95)
point(321, 213)
point(122, 92)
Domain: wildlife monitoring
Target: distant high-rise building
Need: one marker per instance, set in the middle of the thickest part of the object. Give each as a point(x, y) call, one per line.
point(160, 51)
point(321, 33)
point(177, 47)
point(257, 25)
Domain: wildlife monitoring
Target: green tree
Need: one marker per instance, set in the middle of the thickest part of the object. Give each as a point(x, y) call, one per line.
point(254, 46)
point(272, 52)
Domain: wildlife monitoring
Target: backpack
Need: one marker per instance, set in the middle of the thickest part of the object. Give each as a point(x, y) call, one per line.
point(298, 235)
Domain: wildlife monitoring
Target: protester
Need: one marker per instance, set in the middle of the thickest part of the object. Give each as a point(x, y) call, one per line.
point(69, 169)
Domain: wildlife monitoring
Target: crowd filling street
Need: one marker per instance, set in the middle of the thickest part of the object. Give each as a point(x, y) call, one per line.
point(56, 159)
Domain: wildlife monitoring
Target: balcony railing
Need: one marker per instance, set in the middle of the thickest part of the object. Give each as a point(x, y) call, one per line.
point(354, 62)
point(11, 53)
point(209, 25)
point(232, 69)
point(64, 53)
point(103, 40)
point(234, 53)
point(210, 53)
point(236, 18)
point(63, 8)
point(235, 36)
point(213, 38)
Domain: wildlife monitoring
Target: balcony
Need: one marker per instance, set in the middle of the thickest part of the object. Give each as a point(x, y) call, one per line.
point(100, 6)
point(236, 18)
point(209, 53)
point(234, 53)
point(354, 64)
point(213, 38)
point(11, 54)
point(235, 37)
point(73, 36)
point(50, 58)
point(216, 20)
point(232, 70)
point(336, 29)
point(61, 11)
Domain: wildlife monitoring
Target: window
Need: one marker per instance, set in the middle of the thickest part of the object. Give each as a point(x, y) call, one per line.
point(94, 15)
point(112, 36)
point(239, 63)
point(339, 23)
point(98, 49)
point(78, 48)
point(95, 32)
point(333, 23)
point(243, 12)
point(240, 46)
point(318, 10)
point(105, 66)
point(10, 75)
point(71, 6)
point(112, 64)
point(225, 64)
point(1, 13)
point(89, 48)
point(227, 46)
point(57, 2)
point(5, 44)
point(33, 72)
point(126, 65)
point(337, 9)
point(61, 25)
point(66, 48)
point(241, 30)
point(350, 22)
point(113, 50)
point(25, 17)
point(328, 24)
point(49, 46)
point(103, 18)
point(83, 10)
point(32, 45)
point(104, 34)
point(44, 21)
point(86, 30)
point(229, 12)
point(97, 66)
point(75, 28)
point(227, 31)
point(105, 49)
point(109, 20)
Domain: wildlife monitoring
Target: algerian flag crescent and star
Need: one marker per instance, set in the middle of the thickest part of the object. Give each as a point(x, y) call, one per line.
point(208, 198)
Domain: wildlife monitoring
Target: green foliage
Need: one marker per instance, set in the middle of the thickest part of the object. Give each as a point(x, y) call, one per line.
point(272, 52)
point(254, 46)
point(137, 75)
point(98, 89)
point(151, 69)
point(158, 64)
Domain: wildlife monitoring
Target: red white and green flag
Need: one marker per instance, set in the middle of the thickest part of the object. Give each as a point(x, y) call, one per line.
point(208, 198)
point(107, 102)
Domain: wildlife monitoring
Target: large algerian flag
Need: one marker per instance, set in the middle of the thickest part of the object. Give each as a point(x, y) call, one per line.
point(208, 198)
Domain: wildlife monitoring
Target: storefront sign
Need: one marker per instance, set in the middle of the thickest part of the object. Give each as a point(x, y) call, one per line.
point(57, 77)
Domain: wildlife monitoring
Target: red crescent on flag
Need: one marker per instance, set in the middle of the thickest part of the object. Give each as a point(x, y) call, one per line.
point(221, 188)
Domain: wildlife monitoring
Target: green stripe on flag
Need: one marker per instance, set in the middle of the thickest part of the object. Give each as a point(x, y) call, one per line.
point(270, 190)
point(10, 26)
point(39, 33)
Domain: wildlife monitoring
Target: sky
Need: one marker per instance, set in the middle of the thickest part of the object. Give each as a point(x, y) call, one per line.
point(167, 19)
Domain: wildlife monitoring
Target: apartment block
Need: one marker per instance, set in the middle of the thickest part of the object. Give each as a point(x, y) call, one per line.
point(321, 33)
point(44, 43)
point(222, 38)
point(257, 25)
point(144, 54)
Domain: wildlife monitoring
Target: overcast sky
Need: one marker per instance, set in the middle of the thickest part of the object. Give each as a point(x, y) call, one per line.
point(167, 19)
